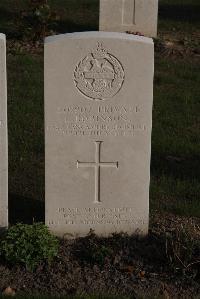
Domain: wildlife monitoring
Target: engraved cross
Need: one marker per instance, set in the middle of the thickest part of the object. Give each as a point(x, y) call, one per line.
point(128, 12)
point(97, 166)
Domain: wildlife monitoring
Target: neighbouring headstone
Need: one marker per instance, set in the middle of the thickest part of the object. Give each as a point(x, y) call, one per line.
point(3, 136)
point(98, 115)
point(137, 16)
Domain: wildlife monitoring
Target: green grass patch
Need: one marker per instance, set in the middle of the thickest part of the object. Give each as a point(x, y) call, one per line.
point(175, 184)
point(26, 125)
point(179, 16)
point(77, 15)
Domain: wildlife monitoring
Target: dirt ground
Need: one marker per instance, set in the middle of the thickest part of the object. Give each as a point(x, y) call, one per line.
point(120, 265)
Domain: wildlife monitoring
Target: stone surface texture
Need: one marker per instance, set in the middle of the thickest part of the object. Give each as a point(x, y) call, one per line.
point(129, 15)
point(98, 119)
point(3, 136)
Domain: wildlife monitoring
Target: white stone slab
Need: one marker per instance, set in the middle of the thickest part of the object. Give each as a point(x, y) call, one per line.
point(98, 114)
point(129, 15)
point(3, 136)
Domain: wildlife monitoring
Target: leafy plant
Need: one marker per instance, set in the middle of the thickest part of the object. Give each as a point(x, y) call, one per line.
point(29, 245)
point(37, 20)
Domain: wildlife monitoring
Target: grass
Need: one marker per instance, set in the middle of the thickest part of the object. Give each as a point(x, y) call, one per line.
point(175, 185)
point(25, 120)
point(26, 142)
point(77, 15)
point(179, 15)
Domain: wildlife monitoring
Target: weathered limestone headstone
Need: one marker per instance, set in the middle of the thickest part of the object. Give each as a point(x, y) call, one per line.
point(98, 114)
point(3, 136)
point(129, 15)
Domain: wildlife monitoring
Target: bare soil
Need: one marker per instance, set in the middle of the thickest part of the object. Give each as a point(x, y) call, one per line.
point(119, 265)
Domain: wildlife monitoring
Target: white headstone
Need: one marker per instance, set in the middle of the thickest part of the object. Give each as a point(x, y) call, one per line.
point(98, 114)
point(3, 136)
point(129, 15)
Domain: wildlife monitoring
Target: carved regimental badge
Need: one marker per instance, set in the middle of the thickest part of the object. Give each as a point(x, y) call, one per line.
point(99, 75)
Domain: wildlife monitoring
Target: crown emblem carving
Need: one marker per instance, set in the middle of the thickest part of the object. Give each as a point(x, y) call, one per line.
point(99, 52)
point(100, 75)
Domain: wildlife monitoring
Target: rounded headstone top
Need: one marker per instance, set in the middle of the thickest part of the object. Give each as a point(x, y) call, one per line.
point(2, 36)
point(98, 34)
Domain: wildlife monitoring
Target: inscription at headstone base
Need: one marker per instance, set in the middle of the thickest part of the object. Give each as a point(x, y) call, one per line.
point(129, 15)
point(98, 115)
point(3, 136)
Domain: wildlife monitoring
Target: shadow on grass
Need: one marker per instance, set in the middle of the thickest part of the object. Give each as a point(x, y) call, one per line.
point(8, 23)
point(177, 167)
point(69, 27)
point(175, 184)
point(6, 14)
point(25, 210)
point(180, 12)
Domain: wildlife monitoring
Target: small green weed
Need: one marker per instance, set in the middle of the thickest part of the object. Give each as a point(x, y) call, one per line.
point(29, 245)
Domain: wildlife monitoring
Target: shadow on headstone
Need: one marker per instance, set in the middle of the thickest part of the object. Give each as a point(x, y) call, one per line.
point(25, 210)
point(179, 12)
